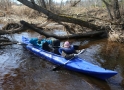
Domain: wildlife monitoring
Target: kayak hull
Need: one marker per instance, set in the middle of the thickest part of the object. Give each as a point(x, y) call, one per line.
point(75, 64)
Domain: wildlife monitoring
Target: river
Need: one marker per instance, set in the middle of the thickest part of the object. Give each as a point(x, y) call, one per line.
point(21, 70)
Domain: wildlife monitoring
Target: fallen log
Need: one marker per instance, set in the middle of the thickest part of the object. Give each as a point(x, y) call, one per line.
point(26, 26)
point(90, 34)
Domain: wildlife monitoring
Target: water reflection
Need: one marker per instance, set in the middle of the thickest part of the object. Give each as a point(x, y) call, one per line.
point(21, 70)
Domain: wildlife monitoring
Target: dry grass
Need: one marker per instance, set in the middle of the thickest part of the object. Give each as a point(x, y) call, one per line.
point(97, 11)
point(116, 35)
point(24, 11)
point(17, 13)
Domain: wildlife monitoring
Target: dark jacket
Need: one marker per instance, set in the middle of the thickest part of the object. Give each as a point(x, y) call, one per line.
point(68, 53)
point(69, 50)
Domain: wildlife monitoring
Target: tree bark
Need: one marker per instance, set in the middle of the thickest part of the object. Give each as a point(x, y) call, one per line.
point(108, 8)
point(43, 4)
point(73, 36)
point(116, 9)
point(74, 3)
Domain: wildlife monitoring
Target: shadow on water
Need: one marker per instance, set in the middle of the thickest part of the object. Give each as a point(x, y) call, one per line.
point(21, 70)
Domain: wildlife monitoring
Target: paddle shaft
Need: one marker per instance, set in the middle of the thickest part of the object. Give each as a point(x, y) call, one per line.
point(68, 61)
point(54, 69)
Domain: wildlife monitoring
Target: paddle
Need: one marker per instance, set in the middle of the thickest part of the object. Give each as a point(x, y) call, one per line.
point(58, 67)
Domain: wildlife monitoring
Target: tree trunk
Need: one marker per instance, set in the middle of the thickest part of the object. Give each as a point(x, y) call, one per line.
point(108, 8)
point(43, 4)
point(74, 3)
point(26, 26)
point(92, 34)
point(116, 9)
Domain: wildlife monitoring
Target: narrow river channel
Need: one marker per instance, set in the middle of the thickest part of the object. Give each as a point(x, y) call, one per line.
point(22, 70)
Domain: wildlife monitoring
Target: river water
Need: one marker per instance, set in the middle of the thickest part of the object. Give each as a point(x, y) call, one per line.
point(21, 70)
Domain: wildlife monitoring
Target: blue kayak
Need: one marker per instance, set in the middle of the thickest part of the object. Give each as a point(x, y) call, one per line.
point(75, 64)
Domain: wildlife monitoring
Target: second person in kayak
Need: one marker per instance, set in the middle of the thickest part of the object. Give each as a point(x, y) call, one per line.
point(50, 45)
point(41, 42)
point(68, 51)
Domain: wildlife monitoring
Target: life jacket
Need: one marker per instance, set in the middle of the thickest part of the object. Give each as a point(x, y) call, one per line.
point(35, 42)
point(69, 50)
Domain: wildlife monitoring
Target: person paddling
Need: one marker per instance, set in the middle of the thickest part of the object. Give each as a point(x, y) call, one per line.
point(68, 51)
point(50, 45)
point(41, 42)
